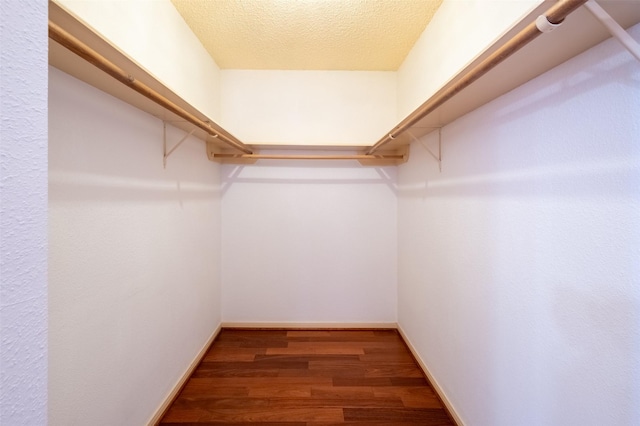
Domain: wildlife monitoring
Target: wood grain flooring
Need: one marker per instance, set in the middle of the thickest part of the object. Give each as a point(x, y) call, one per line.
point(307, 378)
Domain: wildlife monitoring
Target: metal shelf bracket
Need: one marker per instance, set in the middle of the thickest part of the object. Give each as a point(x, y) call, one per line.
point(614, 28)
point(164, 143)
point(437, 157)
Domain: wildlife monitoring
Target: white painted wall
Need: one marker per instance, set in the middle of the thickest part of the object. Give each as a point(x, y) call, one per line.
point(309, 242)
point(519, 264)
point(23, 213)
point(457, 34)
point(308, 107)
point(134, 257)
point(153, 33)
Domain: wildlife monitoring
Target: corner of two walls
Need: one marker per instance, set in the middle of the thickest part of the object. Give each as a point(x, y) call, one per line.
point(134, 249)
point(518, 263)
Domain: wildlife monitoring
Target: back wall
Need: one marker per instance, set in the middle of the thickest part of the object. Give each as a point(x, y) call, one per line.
point(309, 242)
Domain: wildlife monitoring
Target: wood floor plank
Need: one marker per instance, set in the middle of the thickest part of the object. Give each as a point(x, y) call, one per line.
point(408, 381)
point(271, 381)
point(246, 369)
point(337, 403)
point(207, 388)
point(404, 357)
point(308, 333)
point(315, 350)
point(246, 423)
point(372, 369)
point(243, 333)
point(308, 358)
point(324, 372)
point(369, 423)
point(383, 339)
point(339, 344)
point(353, 392)
point(276, 414)
point(255, 364)
point(251, 414)
point(409, 371)
point(411, 396)
point(364, 381)
point(307, 377)
point(236, 372)
point(222, 353)
point(424, 416)
point(216, 402)
point(289, 391)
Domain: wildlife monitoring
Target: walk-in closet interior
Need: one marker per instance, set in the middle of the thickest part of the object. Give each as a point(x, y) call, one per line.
point(470, 178)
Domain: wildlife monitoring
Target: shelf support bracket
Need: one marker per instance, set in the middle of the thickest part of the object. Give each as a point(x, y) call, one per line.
point(614, 28)
point(437, 157)
point(164, 141)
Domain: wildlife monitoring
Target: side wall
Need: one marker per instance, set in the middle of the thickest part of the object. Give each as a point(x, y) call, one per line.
point(519, 280)
point(154, 34)
point(308, 107)
point(309, 242)
point(23, 213)
point(134, 258)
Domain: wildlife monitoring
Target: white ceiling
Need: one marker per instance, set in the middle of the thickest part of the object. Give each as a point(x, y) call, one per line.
point(308, 34)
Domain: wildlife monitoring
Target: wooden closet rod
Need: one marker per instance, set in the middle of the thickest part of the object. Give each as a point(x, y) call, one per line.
point(65, 39)
point(309, 157)
point(555, 15)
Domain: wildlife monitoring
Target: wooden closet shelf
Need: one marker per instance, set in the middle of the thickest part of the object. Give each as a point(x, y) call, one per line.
point(578, 32)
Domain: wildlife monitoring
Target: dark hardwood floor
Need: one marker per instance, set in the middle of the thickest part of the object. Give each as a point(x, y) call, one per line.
point(307, 378)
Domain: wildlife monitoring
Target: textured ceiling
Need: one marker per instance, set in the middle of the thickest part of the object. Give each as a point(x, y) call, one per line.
point(308, 34)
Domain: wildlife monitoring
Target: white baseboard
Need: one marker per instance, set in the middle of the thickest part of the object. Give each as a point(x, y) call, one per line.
point(183, 379)
point(307, 325)
point(434, 383)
